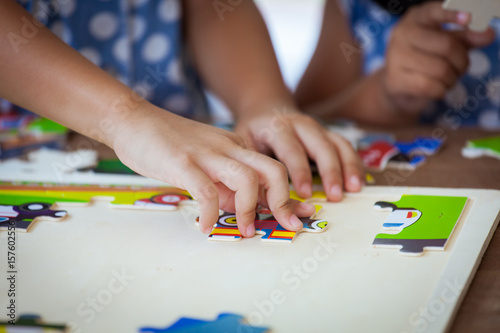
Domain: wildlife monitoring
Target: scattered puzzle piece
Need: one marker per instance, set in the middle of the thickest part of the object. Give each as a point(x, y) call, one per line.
point(482, 147)
point(369, 179)
point(114, 166)
point(377, 155)
point(226, 228)
point(420, 146)
point(483, 11)
point(404, 161)
point(371, 138)
point(423, 222)
point(31, 324)
point(225, 322)
point(23, 217)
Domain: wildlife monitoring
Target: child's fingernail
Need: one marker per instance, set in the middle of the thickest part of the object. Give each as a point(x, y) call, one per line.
point(296, 223)
point(355, 182)
point(463, 17)
point(206, 230)
point(336, 191)
point(250, 231)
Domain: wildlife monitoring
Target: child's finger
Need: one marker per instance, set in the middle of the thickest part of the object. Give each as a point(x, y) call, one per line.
point(288, 149)
point(303, 209)
point(203, 190)
point(476, 39)
point(433, 15)
point(441, 43)
point(324, 153)
point(420, 85)
point(430, 65)
point(352, 168)
point(274, 178)
point(244, 182)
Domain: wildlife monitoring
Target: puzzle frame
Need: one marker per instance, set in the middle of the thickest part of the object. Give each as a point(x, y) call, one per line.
point(272, 282)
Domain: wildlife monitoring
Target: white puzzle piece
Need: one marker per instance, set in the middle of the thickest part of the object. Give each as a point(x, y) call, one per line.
point(483, 11)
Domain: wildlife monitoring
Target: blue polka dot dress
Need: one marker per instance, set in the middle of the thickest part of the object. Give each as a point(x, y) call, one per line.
point(474, 100)
point(139, 42)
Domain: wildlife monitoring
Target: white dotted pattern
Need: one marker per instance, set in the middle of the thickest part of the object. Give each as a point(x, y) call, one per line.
point(155, 48)
point(103, 26)
point(121, 50)
point(169, 10)
point(479, 63)
point(91, 54)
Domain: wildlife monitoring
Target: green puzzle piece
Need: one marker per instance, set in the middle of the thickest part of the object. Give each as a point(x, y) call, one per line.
point(482, 147)
point(439, 215)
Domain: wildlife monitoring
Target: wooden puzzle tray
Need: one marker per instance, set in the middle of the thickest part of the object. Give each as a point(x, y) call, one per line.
point(117, 270)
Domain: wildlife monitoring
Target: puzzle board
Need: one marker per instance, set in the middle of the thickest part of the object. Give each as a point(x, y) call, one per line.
point(115, 270)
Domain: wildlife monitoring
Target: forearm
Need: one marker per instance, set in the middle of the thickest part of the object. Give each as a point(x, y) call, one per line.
point(363, 100)
point(41, 73)
point(235, 56)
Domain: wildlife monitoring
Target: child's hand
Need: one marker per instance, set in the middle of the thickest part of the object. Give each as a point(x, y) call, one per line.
point(210, 163)
point(423, 60)
point(294, 137)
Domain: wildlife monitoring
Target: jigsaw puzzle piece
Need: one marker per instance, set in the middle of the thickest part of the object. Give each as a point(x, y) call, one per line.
point(24, 216)
point(372, 138)
point(482, 147)
point(33, 324)
point(420, 146)
point(406, 162)
point(226, 228)
point(377, 155)
point(69, 198)
point(225, 322)
point(399, 218)
point(424, 222)
point(482, 11)
point(316, 195)
point(165, 200)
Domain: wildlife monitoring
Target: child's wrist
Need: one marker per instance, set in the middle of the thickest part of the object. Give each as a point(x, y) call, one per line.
point(125, 113)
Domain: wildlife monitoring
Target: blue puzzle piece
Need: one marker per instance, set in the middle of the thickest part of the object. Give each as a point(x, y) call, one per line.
point(421, 146)
point(225, 322)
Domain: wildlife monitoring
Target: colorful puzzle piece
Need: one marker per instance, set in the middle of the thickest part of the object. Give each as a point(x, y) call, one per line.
point(420, 146)
point(404, 161)
point(28, 203)
point(31, 324)
point(225, 322)
point(423, 222)
point(482, 147)
point(371, 138)
point(226, 228)
point(22, 217)
point(369, 178)
point(483, 11)
point(30, 133)
point(136, 197)
point(377, 155)
point(113, 166)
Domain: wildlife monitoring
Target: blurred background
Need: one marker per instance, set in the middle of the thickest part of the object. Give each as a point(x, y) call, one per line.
point(294, 27)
